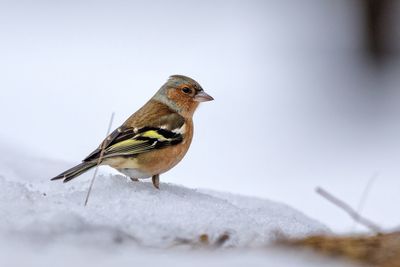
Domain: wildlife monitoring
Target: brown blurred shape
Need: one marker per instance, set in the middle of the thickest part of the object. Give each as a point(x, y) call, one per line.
point(381, 250)
point(379, 28)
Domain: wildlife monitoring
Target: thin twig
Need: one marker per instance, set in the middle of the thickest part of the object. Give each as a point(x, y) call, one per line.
point(99, 159)
point(353, 214)
point(365, 194)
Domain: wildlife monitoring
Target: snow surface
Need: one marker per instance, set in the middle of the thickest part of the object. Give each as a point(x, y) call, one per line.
point(131, 222)
point(33, 205)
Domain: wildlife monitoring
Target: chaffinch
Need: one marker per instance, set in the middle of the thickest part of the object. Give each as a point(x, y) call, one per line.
point(152, 140)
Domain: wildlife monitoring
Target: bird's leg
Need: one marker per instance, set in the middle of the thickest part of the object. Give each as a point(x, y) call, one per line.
point(156, 181)
point(134, 179)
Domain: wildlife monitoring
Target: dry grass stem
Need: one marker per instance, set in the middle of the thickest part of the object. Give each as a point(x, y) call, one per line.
point(353, 214)
point(99, 160)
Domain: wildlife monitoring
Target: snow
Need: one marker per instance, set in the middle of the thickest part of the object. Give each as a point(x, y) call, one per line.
point(65, 255)
point(132, 222)
point(154, 218)
point(119, 256)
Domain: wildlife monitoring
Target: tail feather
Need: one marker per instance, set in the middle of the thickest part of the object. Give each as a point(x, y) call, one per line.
point(70, 174)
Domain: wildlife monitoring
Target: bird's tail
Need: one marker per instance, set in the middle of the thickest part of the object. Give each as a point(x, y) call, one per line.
point(70, 174)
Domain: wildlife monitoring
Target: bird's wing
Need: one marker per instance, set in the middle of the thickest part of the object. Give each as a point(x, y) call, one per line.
point(130, 141)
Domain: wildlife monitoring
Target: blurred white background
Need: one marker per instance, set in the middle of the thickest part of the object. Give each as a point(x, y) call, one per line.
point(298, 102)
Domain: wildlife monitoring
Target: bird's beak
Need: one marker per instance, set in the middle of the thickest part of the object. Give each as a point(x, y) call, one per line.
point(202, 97)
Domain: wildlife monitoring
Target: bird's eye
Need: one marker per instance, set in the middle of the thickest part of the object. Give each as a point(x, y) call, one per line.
point(186, 90)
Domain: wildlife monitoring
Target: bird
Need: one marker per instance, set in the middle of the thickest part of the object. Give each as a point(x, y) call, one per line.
point(152, 140)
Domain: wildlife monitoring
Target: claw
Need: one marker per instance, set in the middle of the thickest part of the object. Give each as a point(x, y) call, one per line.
point(156, 181)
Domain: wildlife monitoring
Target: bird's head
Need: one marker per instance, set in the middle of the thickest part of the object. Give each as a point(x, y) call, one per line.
point(182, 94)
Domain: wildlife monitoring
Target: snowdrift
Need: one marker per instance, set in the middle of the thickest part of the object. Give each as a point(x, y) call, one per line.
point(40, 217)
point(119, 209)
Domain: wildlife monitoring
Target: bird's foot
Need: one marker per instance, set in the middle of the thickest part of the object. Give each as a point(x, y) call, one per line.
point(156, 181)
point(134, 179)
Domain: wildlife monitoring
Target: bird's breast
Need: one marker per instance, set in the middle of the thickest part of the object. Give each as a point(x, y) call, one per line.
point(162, 160)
